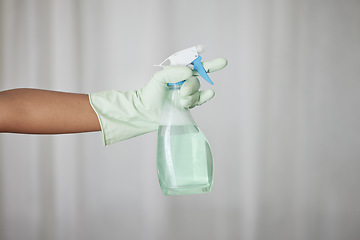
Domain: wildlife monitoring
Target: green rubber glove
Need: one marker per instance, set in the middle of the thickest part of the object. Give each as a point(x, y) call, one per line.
point(124, 115)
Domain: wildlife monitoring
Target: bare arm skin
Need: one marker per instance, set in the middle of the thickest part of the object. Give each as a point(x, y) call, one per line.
point(35, 111)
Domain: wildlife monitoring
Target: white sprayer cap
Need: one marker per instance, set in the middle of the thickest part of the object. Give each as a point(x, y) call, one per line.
point(184, 57)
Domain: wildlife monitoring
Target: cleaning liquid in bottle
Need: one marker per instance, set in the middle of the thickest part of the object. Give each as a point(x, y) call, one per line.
point(184, 159)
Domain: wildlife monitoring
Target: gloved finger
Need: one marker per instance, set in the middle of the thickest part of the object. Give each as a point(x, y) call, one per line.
point(213, 66)
point(204, 96)
point(172, 74)
point(190, 101)
point(189, 87)
point(198, 98)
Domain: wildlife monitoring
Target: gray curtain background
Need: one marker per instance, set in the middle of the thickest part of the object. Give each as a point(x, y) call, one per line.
point(283, 126)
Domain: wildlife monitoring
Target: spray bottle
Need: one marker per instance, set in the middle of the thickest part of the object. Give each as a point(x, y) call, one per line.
point(184, 158)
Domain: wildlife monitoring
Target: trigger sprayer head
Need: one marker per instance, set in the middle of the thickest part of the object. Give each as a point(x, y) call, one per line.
point(189, 56)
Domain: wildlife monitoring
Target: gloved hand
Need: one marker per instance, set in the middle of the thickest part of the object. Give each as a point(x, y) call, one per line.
point(135, 112)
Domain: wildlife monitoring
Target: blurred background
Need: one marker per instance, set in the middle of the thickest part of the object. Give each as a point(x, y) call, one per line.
point(283, 126)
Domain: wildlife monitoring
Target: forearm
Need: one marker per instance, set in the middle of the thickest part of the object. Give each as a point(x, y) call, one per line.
point(46, 112)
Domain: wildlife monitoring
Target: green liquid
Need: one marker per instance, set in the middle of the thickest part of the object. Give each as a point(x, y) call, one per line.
point(184, 160)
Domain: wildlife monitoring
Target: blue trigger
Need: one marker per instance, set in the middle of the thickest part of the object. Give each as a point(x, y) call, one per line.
point(201, 70)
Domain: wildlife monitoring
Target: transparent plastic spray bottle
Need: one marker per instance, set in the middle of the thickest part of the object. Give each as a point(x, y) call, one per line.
point(184, 158)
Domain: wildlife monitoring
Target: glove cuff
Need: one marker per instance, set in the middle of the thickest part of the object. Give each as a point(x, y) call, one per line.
point(119, 115)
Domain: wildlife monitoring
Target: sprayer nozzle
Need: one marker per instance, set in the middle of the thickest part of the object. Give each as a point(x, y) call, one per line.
point(200, 48)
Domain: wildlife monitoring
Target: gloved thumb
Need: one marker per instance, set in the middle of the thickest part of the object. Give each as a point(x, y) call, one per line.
point(173, 74)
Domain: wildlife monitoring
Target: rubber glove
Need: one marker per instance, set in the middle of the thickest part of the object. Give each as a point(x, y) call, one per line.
point(124, 115)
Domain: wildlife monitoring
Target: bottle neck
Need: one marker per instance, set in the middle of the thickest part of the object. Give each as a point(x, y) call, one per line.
point(172, 112)
point(174, 95)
